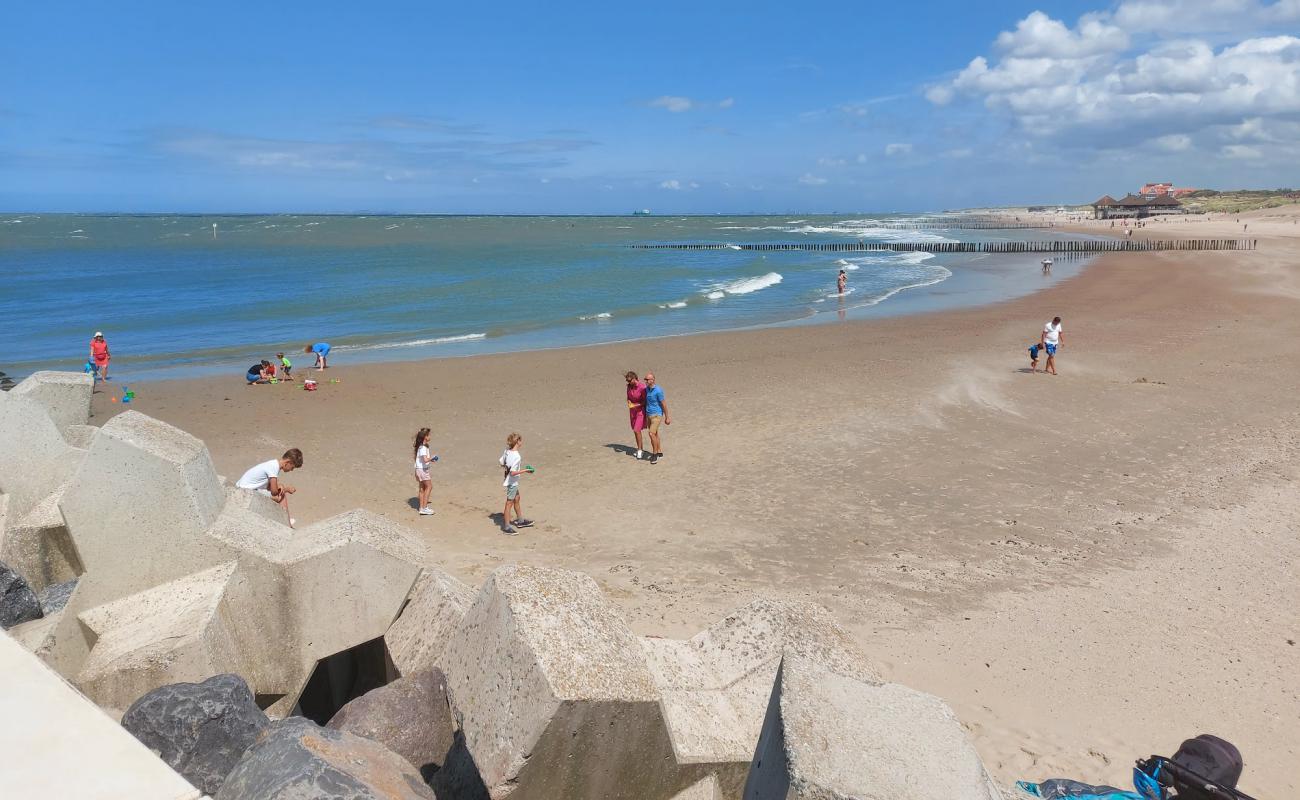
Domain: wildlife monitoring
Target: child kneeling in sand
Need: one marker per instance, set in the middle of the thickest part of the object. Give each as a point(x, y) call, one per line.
point(512, 461)
point(265, 479)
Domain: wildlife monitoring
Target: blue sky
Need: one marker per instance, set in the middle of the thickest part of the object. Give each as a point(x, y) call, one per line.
point(595, 108)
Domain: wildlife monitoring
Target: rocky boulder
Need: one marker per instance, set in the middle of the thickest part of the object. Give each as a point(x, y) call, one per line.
point(18, 603)
point(55, 596)
point(295, 759)
point(200, 729)
point(409, 716)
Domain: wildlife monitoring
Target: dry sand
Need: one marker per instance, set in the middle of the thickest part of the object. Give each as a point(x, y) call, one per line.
point(1089, 568)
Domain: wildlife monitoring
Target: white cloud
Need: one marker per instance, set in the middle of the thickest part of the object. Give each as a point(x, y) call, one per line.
point(1241, 151)
point(726, 102)
point(862, 158)
point(808, 179)
point(1172, 86)
point(898, 149)
point(830, 162)
point(673, 184)
point(672, 103)
point(1174, 142)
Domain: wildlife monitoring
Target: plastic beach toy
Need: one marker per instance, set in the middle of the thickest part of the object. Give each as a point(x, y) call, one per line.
point(435, 458)
point(529, 468)
point(127, 394)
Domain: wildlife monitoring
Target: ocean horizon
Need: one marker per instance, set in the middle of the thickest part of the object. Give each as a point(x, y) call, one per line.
point(181, 295)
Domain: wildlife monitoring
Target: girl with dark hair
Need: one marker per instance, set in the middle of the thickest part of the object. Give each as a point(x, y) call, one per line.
point(636, 407)
point(422, 461)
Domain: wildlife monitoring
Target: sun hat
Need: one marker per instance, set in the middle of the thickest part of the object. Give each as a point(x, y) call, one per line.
point(98, 334)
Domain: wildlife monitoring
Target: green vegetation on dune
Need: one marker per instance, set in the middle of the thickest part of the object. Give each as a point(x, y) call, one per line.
point(1236, 201)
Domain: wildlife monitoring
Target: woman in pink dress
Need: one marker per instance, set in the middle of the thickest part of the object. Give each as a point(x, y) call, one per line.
point(636, 407)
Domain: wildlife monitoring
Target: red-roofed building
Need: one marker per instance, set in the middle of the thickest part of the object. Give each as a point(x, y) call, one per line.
point(1151, 190)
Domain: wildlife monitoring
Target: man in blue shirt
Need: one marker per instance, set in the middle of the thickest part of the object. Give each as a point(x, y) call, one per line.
point(656, 411)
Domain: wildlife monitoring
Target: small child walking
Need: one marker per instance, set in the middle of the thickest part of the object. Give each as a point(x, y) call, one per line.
point(1033, 356)
point(512, 462)
point(422, 461)
point(286, 366)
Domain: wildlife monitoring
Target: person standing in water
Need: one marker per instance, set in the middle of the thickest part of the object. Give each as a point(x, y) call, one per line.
point(841, 282)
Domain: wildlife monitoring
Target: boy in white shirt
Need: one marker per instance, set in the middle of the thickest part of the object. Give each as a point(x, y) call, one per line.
point(1050, 340)
point(265, 479)
point(512, 461)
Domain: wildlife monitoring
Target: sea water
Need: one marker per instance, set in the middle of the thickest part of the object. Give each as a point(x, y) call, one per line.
point(184, 295)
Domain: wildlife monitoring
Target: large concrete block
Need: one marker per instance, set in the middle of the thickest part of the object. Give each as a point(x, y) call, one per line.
point(435, 608)
point(715, 686)
point(828, 736)
point(180, 631)
point(346, 579)
point(553, 694)
point(35, 458)
point(137, 510)
point(39, 545)
point(64, 395)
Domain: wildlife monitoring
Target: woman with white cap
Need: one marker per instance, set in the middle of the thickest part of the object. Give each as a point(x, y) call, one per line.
point(100, 355)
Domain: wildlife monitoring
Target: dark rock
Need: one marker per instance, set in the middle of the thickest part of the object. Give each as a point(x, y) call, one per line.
point(200, 729)
point(18, 602)
point(409, 716)
point(55, 596)
point(296, 759)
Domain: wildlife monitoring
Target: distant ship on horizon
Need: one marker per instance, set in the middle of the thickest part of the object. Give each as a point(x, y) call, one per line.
point(645, 212)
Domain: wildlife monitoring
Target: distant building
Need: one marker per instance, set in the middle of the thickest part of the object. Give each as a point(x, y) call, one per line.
point(1135, 206)
point(1152, 190)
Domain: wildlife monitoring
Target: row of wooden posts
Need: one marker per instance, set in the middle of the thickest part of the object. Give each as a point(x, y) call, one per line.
point(968, 225)
point(1064, 246)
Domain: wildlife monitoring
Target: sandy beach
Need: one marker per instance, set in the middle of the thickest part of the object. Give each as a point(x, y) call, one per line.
point(1089, 568)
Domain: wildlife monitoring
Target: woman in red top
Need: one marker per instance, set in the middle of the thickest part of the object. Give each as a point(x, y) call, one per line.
point(100, 355)
point(636, 407)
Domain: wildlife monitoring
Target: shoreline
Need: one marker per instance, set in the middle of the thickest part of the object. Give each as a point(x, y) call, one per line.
point(1006, 541)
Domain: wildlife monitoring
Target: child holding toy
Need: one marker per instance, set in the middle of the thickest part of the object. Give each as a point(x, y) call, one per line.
point(422, 461)
point(513, 462)
point(285, 367)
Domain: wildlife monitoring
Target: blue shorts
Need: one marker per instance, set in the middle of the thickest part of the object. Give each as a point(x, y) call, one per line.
point(253, 377)
point(1051, 349)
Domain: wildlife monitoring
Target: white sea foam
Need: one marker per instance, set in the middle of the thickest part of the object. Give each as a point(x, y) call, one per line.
point(931, 275)
point(733, 247)
point(390, 227)
point(678, 304)
point(847, 265)
point(743, 286)
point(601, 315)
point(464, 337)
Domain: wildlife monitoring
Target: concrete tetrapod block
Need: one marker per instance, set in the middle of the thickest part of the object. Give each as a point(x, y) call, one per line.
point(137, 510)
point(64, 395)
point(39, 545)
point(553, 694)
point(828, 736)
point(707, 789)
point(36, 459)
point(61, 746)
point(435, 608)
point(715, 686)
point(181, 631)
point(346, 579)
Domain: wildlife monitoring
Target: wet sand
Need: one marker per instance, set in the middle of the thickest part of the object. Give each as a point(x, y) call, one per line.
point(1089, 568)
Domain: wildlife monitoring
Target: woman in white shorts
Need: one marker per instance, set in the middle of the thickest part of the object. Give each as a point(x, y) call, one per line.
point(422, 461)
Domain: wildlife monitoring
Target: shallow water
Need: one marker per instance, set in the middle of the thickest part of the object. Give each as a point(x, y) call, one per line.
point(182, 295)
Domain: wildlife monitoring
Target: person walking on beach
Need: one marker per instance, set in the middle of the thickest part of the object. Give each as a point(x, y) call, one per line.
point(265, 479)
point(286, 367)
point(422, 461)
point(841, 282)
point(656, 411)
point(636, 408)
point(99, 354)
point(322, 352)
point(1051, 339)
point(513, 461)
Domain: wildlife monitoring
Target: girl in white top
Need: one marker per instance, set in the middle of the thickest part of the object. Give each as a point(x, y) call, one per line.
point(422, 461)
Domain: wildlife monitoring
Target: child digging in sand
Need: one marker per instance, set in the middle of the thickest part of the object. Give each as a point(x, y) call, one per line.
point(422, 461)
point(512, 461)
